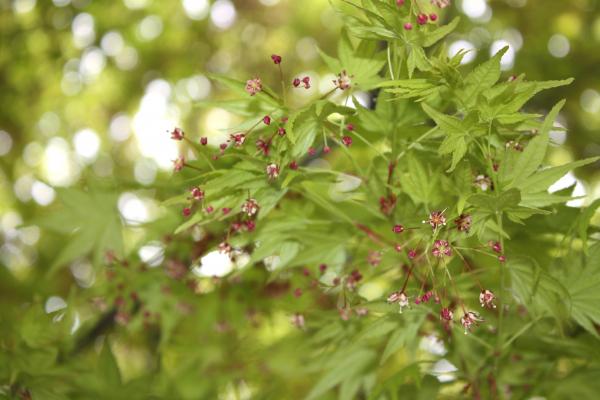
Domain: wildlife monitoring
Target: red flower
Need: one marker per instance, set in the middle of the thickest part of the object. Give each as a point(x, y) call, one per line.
point(272, 171)
point(436, 219)
point(446, 314)
point(398, 297)
point(178, 164)
point(463, 222)
point(253, 86)
point(177, 134)
point(250, 207)
point(197, 193)
point(441, 248)
point(203, 141)
point(343, 81)
point(486, 298)
point(470, 319)
point(347, 140)
point(276, 59)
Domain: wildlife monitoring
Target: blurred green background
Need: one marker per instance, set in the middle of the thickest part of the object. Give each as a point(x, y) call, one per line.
point(89, 89)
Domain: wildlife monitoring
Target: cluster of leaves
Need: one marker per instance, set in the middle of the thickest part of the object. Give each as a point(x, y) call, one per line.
point(324, 250)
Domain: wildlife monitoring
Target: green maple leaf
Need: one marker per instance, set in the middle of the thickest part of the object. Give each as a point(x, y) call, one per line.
point(92, 221)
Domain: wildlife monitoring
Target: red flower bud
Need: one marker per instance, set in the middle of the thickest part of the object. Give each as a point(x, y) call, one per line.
point(276, 59)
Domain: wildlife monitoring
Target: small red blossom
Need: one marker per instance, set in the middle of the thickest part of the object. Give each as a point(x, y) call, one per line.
point(250, 207)
point(412, 254)
point(446, 314)
point(178, 163)
point(436, 219)
point(343, 81)
point(296, 82)
point(441, 3)
point(463, 222)
point(297, 292)
point(399, 297)
point(226, 210)
point(272, 171)
point(495, 246)
point(326, 149)
point(209, 209)
point(347, 140)
point(267, 120)
point(186, 212)
point(398, 248)
point(400, 3)
point(426, 297)
point(276, 59)
point(253, 86)
point(486, 298)
point(408, 26)
point(441, 248)
point(322, 268)
point(177, 134)
point(350, 127)
point(502, 258)
point(470, 319)
point(203, 140)
point(293, 165)
point(223, 146)
point(197, 193)
point(398, 228)
point(250, 225)
point(238, 139)
point(311, 151)
point(281, 131)
point(306, 81)
point(263, 146)
point(433, 17)
point(422, 19)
